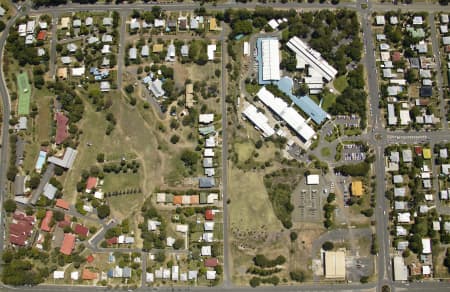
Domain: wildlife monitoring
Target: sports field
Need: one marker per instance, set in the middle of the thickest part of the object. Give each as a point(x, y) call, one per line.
point(24, 94)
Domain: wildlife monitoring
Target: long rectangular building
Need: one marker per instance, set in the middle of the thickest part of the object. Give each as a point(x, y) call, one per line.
point(295, 121)
point(312, 58)
point(269, 60)
point(259, 120)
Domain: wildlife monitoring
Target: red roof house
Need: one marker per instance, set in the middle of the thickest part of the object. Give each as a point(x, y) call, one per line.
point(68, 244)
point(61, 128)
point(20, 228)
point(209, 215)
point(42, 35)
point(81, 230)
point(91, 183)
point(88, 275)
point(112, 240)
point(211, 263)
point(418, 150)
point(62, 204)
point(46, 221)
point(20, 240)
point(18, 215)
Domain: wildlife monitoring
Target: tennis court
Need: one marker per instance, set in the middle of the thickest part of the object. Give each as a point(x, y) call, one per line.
point(24, 93)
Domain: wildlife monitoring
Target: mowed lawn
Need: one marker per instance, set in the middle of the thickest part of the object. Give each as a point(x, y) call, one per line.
point(340, 83)
point(121, 181)
point(24, 88)
point(44, 118)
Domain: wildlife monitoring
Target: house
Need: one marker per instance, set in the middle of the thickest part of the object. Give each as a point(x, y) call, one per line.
point(106, 38)
point(105, 86)
point(68, 244)
point(89, 21)
point(211, 49)
point(427, 153)
point(206, 118)
point(400, 269)
point(401, 231)
point(400, 205)
point(183, 228)
point(444, 18)
point(106, 49)
point(107, 21)
point(31, 25)
point(157, 48)
point(92, 40)
point(61, 128)
point(171, 25)
point(209, 214)
point(132, 54)
point(213, 24)
point(105, 62)
point(88, 275)
point(404, 217)
point(58, 275)
point(357, 188)
point(211, 263)
point(159, 23)
point(40, 52)
point(50, 191)
point(206, 251)
point(42, 35)
point(182, 23)
point(81, 230)
point(393, 20)
point(379, 20)
point(19, 185)
point(407, 155)
point(210, 172)
point(91, 184)
point(76, 23)
point(66, 60)
point(443, 153)
point(74, 275)
point(135, 24)
point(78, 72)
point(67, 160)
point(210, 275)
point(426, 246)
point(29, 39)
point(152, 225)
point(208, 237)
point(426, 91)
point(46, 221)
point(60, 203)
point(65, 22)
point(397, 179)
point(206, 182)
point(170, 57)
point(402, 245)
point(417, 20)
point(156, 88)
point(208, 226)
point(22, 30)
point(184, 50)
point(145, 51)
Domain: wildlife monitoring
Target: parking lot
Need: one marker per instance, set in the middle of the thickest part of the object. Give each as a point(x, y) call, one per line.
point(346, 121)
point(353, 152)
point(307, 201)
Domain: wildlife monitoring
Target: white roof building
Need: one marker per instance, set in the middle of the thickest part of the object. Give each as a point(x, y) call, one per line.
point(132, 54)
point(58, 275)
point(259, 120)
point(156, 88)
point(246, 49)
point(208, 237)
point(270, 56)
point(145, 51)
point(379, 20)
point(74, 275)
point(79, 71)
point(105, 86)
point(210, 275)
point(106, 49)
point(273, 24)
point(404, 217)
point(183, 228)
point(89, 21)
point(417, 20)
point(208, 152)
point(400, 269)
point(22, 30)
point(206, 251)
point(208, 226)
point(210, 50)
point(405, 119)
point(426, 246)
point(288, 114)
point(392, 118)
point(50, 191)
point(312, 179)
point(312, 58)
point(444, 18)
point(31, 25)
point(170, 241)
point(206, 118)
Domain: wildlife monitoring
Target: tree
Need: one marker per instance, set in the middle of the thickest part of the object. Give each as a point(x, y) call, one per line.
point(10, 206)
point(100, 157)
point(129, 89)
point(59, 170)
point(179, 243)
point(255, 282)
point(327, 245)
point(160, 256)
point(103, 211)
point(364, 279)
point(293, 236)
point(174, 139)
point(298, 276)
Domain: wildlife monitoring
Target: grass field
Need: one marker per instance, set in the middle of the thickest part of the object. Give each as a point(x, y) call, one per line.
point(44, 117)
point(329, 100)
point(121, 181)
point(340, 83)
point(24, 91)
point(325, 151)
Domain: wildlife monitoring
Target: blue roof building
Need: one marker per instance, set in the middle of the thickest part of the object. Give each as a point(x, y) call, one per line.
point(305, 103)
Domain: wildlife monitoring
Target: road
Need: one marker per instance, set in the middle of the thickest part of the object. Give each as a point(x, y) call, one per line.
point(375, 121)
point(226, 245)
